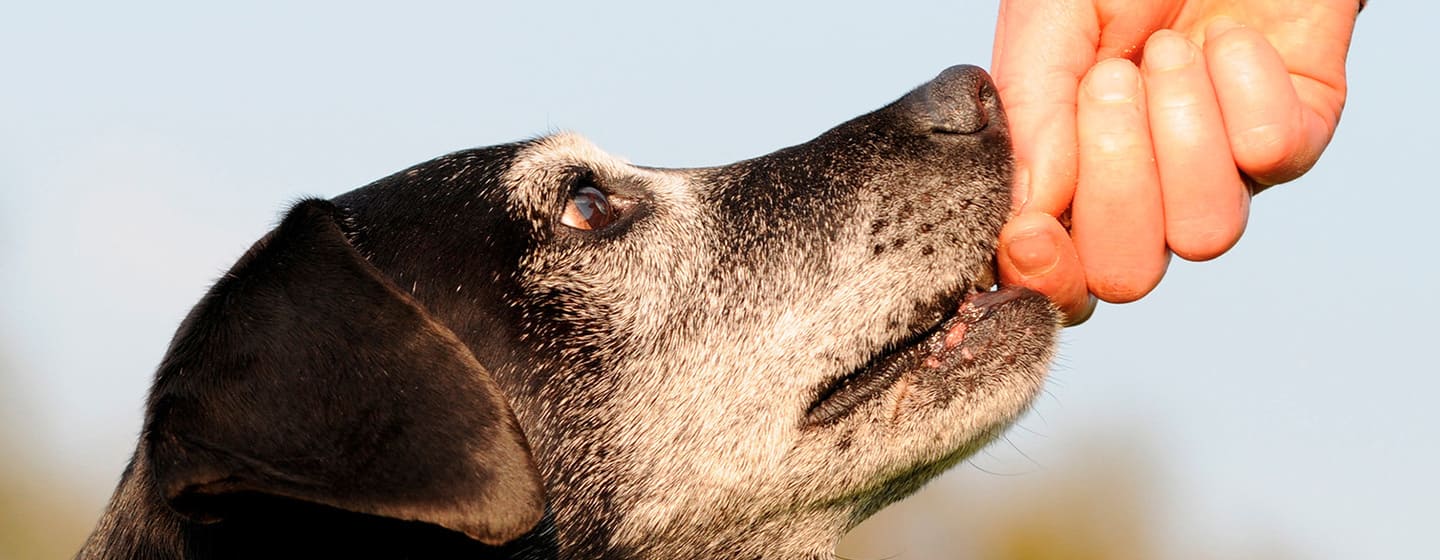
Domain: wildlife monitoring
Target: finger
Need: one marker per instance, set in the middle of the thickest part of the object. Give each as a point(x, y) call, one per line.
point(1274, 136)
point(1205, 201)
point(1042, 47)
point(1118, 216)
point(1035, 252)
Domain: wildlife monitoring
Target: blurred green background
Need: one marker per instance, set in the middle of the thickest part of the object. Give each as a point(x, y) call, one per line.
point(1275, 403)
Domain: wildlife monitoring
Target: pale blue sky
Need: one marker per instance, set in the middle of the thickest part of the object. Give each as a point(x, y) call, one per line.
point(1285, 391)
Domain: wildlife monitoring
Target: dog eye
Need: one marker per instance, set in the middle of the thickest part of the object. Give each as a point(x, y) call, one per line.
point(589, 209)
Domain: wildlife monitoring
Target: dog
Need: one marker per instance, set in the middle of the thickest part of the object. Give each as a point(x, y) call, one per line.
point(537, 350)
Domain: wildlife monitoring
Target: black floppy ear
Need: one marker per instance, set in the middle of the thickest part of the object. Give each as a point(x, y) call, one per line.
point(306, 374)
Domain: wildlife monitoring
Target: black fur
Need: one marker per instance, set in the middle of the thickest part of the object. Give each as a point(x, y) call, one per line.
point(306, 376)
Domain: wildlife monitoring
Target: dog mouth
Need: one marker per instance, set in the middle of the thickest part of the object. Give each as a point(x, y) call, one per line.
point(949, 344)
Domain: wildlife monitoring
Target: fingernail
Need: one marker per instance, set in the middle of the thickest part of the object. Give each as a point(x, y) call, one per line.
point(1113, 80)
point(1082, 314)
point(1034, 253)
point(1220, 25)
point(1168, 50)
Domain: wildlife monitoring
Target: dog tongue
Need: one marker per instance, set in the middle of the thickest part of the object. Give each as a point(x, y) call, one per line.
point(978, 306)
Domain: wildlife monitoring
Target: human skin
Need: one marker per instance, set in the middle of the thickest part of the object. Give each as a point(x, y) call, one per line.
point(1148, 125)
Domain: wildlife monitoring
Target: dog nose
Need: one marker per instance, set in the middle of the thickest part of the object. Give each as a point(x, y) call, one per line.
point(961, 100)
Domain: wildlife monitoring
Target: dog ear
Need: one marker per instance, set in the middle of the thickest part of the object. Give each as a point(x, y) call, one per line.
point(306, 374)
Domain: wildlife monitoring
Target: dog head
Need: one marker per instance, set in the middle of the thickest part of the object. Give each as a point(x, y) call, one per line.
point(743, 360)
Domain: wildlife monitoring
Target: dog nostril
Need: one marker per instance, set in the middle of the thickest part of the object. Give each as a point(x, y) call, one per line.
point(959, 100)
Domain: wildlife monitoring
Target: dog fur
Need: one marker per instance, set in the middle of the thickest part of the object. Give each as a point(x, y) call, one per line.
point(746, 363)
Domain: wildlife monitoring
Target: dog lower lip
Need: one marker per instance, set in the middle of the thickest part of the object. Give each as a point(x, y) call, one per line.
point(925, 350)
point(840, 396)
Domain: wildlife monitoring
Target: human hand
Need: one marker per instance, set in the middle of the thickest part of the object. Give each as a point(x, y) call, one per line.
point(1152, 122)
